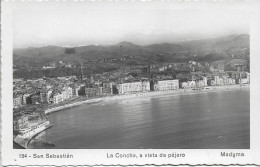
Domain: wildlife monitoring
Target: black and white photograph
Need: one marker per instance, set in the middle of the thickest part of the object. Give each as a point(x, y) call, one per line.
point(130, 83)
point(130, 76)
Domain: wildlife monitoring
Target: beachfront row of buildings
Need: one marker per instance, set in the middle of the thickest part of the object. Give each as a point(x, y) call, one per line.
point(146, 86)
point(69, 91)
point(161, 85)
point(45, 96)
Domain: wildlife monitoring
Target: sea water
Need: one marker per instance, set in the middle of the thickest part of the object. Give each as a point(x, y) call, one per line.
point(208, 120)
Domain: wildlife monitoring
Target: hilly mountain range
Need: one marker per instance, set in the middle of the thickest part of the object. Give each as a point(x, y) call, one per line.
point(126, 53)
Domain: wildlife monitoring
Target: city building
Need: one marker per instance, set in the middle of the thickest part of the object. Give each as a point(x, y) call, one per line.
point(26, 99)
point(205, 81)
point(36, 98)
point(200, 84)
point(67, 93)
point(167, 85)
point(56, 98)
point(17, 101)
point(145, 86)
point(211, 82)
point(75, 90)
point(93, 92)
point(131, 87)
point(20, 122)
point(44, 96)
point(107, 88)
point(248, 77)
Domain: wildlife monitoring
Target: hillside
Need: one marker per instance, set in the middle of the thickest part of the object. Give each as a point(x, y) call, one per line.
point(222, 43)
point(126, 53)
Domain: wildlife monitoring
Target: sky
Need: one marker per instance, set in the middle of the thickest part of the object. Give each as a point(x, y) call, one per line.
point(79, 23)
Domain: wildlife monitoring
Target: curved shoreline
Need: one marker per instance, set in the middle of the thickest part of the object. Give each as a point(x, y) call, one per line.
point(30, 139)
point(156, 94)
point(54, 109)
point(149, 94)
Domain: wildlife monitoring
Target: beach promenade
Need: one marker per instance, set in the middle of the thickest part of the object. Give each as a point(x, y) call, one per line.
point(149, 94)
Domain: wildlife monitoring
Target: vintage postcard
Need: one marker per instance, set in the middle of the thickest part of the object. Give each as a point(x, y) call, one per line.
point(130, 82)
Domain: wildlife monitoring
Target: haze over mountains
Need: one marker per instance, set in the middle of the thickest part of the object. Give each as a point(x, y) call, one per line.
point(126, 53)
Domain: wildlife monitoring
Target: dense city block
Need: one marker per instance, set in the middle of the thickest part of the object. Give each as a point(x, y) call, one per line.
point(33, 96)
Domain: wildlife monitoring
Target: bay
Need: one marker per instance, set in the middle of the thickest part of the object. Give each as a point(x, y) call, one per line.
point(209, 120)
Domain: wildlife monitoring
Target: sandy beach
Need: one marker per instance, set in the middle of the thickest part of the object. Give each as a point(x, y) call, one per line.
point(150, 94)
point(176, 92)
point(90, 101)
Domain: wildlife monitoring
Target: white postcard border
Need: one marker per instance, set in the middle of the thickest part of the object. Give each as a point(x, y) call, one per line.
point(10, 156)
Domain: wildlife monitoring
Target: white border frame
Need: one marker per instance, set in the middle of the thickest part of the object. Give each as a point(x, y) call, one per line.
point(99, 156)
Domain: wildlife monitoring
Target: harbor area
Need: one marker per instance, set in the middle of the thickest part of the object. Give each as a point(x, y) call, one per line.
point(27, 126)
